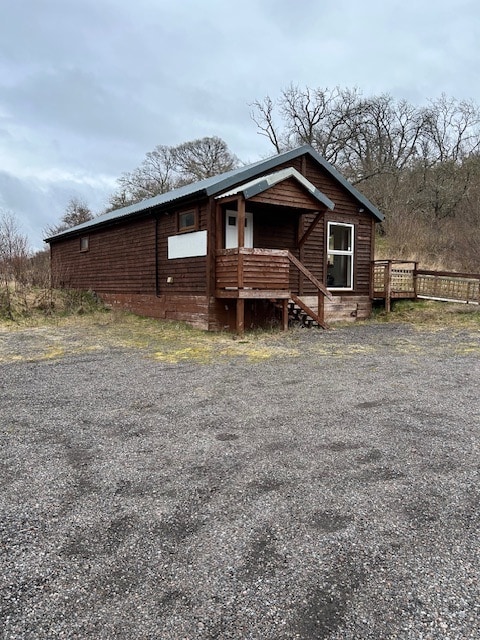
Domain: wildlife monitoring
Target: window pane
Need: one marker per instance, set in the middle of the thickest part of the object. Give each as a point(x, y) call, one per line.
point(339, 271)
point(340, 238)
point(186, 220)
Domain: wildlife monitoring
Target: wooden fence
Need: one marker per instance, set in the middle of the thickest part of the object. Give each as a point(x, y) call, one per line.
point(394, 279)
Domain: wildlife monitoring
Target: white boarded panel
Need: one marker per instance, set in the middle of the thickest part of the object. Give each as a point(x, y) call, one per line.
point(187, 245)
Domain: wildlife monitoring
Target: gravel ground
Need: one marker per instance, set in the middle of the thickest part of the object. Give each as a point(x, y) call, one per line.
point(330, 494)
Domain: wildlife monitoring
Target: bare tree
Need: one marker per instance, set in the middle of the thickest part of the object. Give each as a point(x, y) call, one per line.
point(155, 175)
point(202, 158)
point(13, 259)
point(413, 162)
point(166, 168)
point(450, 139)
point(76, 212)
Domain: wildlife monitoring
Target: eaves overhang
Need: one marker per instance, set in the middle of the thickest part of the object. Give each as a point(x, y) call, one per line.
point(216, 185)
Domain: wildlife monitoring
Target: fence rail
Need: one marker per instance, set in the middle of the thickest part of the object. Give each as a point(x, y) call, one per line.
point(393, 279)
point(448, 287)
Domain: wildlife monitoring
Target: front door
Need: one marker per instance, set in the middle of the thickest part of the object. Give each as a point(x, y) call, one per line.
point(231, 230)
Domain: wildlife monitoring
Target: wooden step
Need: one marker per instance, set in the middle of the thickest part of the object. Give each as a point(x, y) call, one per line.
point(297, 316)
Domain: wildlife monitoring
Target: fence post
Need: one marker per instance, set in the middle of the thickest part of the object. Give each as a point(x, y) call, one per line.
point(388, 285)
point(415, 267)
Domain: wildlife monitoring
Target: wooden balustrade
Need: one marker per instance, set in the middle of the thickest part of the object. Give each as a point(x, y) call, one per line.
point(393, 279)
point(245, 273)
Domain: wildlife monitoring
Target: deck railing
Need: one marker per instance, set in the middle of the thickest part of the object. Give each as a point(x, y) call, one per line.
point(264, 273)
point(393, 279)
point(448, 286)
point(252, 269)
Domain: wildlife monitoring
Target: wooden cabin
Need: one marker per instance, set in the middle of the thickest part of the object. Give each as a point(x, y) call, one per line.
point(287, 238)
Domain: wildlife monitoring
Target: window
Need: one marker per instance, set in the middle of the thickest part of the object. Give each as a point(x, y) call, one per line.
point(340, 256)
point(84, 243)
point(187, 221)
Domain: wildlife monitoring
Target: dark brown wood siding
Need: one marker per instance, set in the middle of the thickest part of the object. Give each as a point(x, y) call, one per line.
point(312, 253)
point(122, 259)
point(189, 274)
point(276, 228)
point(288, 193)
point(348, 210)
point(119, 259)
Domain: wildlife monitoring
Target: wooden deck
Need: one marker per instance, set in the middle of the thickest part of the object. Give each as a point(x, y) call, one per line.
point(251, 272)
point(245, 273)
point(394, 279)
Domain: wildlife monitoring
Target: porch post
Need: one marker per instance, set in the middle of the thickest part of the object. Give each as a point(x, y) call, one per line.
point(241, 242)
point(321, 308)
point(388, 286)
point(241, 222)
point(285, 315)
point(415, 268)
point(240, 323)
point(301, 250)
point(219, 227)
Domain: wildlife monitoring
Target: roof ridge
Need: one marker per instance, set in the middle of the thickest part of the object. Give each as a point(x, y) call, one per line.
point(215, 184)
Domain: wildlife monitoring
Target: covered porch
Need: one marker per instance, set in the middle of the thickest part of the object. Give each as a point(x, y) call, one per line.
point(259, 260)
point(252, 274)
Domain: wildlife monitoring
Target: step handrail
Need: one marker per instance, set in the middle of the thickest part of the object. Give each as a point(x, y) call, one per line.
point(322, 292)
point(303, 269)
point(310, 312)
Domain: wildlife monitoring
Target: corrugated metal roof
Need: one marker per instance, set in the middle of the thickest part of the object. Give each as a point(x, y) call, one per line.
point(217, 184)
point(262, 183)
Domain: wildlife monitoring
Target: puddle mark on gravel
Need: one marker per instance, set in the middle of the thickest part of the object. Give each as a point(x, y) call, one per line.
point(371, 456)
point(339, 446)
point(175, 528)
point(262, 557)
point(119, 581)
point(226, 437)
point(280, 445)
point(118, 531)
point(379, 474)
point(171, 599)
point(422, 511)
point(330, 521)
point(266, 485)
point(328, 601)
point(131, 489)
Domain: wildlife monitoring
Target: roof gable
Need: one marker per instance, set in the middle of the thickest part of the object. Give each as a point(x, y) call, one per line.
point(263, 183)
point(217, 184)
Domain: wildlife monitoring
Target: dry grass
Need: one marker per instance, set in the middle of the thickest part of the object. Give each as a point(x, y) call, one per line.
point(428, 313)
point(82, 326)
point(165, 341)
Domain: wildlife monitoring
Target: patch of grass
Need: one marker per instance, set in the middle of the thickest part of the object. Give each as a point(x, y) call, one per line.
point(429, 313)
point(77, 324)
point(31, 305)
point(165, 341)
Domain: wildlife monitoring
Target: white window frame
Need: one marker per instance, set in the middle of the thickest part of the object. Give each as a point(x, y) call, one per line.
point(337, 252)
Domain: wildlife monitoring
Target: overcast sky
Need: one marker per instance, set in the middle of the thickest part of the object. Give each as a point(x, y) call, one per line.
point(87, 87)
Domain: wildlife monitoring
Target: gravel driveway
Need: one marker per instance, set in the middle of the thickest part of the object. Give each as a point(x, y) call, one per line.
point(329, 493)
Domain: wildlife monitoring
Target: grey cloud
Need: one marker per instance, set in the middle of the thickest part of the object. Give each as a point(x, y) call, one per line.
point(38, 205)
point(77, 101)
point(87, 87)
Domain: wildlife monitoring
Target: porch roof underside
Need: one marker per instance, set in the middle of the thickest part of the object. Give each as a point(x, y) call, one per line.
point(261, 184)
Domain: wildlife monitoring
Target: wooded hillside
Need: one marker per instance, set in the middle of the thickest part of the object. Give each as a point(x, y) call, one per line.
point(419, 165)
